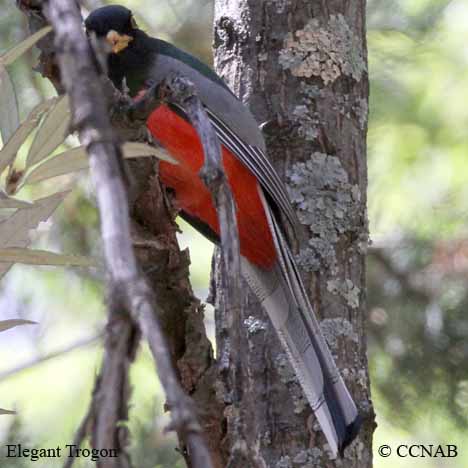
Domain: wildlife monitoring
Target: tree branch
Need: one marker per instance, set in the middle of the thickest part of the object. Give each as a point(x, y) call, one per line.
point(41, 359)
point(180, 91)
point(129, 290)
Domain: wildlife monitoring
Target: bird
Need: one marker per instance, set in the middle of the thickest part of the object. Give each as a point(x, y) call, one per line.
point(263, 208)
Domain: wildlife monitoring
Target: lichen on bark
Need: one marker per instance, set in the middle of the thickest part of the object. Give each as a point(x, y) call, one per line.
point(324, 51)
point(327, 203)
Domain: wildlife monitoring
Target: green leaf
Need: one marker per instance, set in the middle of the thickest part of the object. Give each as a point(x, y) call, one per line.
point(64, 163)
point(42, 257)
point(76, 159)
point(52, 132)
point(9, 115)
point(4, 411)
point(11, 323)
point(15, 229)
point(8, 202)
point(10, 149)
point(11, 55)
point(138, 150)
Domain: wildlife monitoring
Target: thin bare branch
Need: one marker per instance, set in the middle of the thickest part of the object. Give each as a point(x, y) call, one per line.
point(41, 359)
point(80, 435)
point(109, 405)
point(180, 91)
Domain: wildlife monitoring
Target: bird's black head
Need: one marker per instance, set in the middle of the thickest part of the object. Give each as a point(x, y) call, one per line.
point(115, 23)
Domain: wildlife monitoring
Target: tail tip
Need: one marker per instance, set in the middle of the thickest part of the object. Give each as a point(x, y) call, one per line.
point(352, 431)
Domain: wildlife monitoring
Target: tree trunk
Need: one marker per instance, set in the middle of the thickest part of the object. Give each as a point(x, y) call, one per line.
point(301, 67)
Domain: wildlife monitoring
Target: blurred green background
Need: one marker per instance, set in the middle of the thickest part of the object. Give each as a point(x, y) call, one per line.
point(417, 266)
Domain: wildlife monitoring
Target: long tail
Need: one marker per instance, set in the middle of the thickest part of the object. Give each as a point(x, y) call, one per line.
point(283, 296)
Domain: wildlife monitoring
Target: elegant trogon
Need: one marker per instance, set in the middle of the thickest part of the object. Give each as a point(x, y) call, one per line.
point(260, 196)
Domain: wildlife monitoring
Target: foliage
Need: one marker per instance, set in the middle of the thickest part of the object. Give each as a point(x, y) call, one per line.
point(418, 179)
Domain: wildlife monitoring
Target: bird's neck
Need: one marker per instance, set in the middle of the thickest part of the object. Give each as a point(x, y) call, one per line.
point(131, 64)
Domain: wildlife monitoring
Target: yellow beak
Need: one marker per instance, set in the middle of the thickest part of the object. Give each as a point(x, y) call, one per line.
point(118, 42)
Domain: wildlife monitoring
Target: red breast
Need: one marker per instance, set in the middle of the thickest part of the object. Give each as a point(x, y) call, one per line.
point(182, 142)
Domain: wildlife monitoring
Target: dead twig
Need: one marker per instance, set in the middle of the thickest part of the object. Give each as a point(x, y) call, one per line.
point(81, 434)
point(41, 359)
point(181, 92)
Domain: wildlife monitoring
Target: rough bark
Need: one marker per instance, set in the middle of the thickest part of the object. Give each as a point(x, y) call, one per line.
point(301, 67)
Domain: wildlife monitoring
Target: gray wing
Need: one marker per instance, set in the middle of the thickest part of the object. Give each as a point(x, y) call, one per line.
point(237, 130)
point(256, 161)
point(220, 100)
